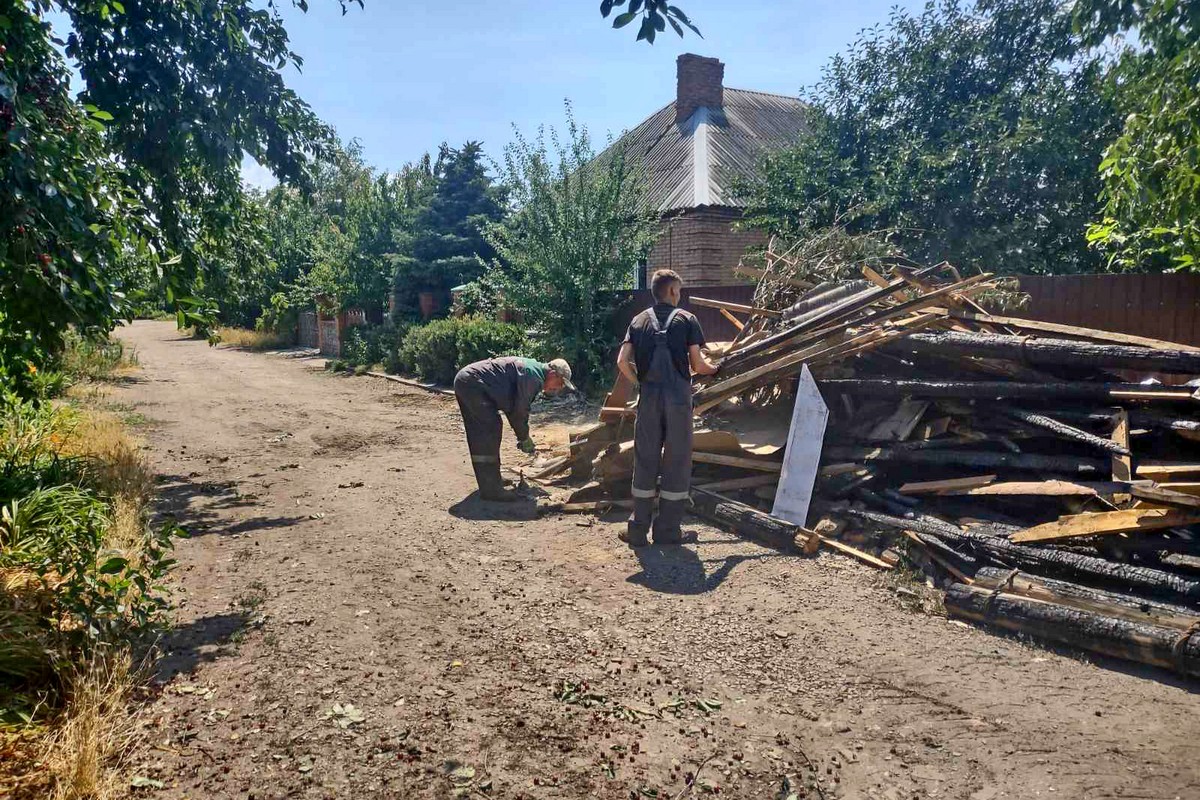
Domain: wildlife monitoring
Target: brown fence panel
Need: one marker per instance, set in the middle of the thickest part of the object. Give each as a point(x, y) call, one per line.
point(716, 327)
point(307, 333)
point(1159, 306)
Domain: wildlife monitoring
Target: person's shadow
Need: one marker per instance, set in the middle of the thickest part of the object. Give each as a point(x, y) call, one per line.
point(678, 569)
point(472, 507)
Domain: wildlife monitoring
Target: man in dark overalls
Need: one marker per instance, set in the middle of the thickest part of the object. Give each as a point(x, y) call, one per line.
point(507, 385)
point(660, 352)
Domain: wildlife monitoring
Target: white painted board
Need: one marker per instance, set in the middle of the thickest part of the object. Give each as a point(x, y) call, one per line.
point(803, 455)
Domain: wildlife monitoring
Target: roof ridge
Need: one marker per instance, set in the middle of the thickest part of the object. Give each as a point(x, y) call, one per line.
point(766, 94)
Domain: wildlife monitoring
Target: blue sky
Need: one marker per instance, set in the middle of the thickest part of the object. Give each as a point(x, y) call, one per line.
point(402, 77)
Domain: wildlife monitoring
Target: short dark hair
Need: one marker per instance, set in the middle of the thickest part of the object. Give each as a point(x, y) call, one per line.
point(661, 280)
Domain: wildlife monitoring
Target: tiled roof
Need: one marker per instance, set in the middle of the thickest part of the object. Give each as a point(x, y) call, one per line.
point(697, 162)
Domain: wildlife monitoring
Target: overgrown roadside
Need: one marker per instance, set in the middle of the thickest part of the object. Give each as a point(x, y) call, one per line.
point(353, 624)
point(81, 571)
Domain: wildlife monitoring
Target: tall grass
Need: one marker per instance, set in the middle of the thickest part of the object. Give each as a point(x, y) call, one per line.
point(245, 339)
point(80, 587)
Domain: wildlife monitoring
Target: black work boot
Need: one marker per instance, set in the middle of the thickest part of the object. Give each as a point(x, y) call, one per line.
point(491, 485)
point(667, 523)
point(638, 526)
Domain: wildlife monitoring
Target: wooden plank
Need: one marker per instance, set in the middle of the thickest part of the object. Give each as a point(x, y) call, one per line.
point(1163, 495)
point(782, 368)
point(555, 466)
point(1092, 334)
point(830, 470)
point(793, 493)
point(737, 461)
point(752, 272)
point(429, 387)
point(941, 562)
point(929, 430)
point(734, 321)
point(1164, 471)
point(1183, 487)
point(738, 307)
point(950, 484)
point(1106, 523)
point(619, 396)
point(1122, 464)
point(610, 412)
point(877, 279)
point(1121, 394)
point(733, 484)
point(854, 552)
point(1053, 488)
point(900, 423)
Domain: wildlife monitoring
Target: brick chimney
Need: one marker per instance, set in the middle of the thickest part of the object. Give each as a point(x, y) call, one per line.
point(698, 83)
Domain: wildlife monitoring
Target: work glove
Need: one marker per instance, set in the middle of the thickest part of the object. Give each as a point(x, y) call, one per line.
point(527, 446)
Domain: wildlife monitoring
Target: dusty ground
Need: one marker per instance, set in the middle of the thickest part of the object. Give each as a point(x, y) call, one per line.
point(339, 557)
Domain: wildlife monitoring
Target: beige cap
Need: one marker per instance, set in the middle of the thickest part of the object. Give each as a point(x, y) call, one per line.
point(561, 368)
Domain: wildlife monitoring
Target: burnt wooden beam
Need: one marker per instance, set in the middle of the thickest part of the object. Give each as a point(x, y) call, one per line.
point(991, 546)
point(1053, 352)
point(751, 523)
point(999, 390)
point(1100, 601)
point(969, 458)
point(1158, 646)
point(1063, 430)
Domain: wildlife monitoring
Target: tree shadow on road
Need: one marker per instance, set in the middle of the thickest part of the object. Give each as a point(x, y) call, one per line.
point(197, 506)
point(188, 646)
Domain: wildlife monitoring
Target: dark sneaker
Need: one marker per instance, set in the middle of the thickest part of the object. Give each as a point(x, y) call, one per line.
point(501, 496)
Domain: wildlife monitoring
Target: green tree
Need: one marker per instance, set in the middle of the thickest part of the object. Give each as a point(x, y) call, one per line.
point(191, 88)
point(445, 245)
point(972, 131)
point(1151, 171)
point(655, 16)
point(71, 235)
point(576, 237)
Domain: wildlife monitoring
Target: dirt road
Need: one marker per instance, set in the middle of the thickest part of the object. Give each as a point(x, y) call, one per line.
point(338, 559)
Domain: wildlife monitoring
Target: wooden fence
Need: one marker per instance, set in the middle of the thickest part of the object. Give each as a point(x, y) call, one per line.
point(716, 327)
point(1159, 306)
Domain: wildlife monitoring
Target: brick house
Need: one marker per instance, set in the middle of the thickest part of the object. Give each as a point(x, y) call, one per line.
point(694, 150)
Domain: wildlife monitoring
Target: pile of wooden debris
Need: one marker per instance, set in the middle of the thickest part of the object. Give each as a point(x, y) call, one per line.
point(1040, 473)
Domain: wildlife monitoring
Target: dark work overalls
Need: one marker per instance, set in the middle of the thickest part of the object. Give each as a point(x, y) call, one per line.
point(484, 390)
point(662, 443)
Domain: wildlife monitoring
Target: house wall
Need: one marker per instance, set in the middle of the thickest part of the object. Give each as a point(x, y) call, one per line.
point(702, 246)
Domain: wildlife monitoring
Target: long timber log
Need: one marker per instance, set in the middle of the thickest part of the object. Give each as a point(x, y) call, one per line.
point(1085, 598)
point(970, 458)
point(751, 523)
point(1043, 561)
point(827, 316)
point(997, 390)
point(1169, 648)
point(1053, 352)
point(1063, 430)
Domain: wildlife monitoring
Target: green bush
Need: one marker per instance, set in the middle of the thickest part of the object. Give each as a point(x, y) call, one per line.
point(431, 350)
point(437, 350)
point(378, 344)
point(480, 338)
